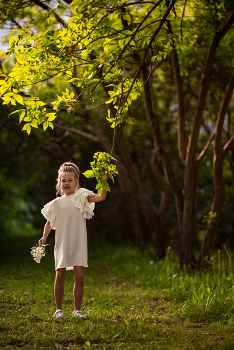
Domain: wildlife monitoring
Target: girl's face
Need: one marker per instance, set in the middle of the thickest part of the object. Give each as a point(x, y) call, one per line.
point(68, 183)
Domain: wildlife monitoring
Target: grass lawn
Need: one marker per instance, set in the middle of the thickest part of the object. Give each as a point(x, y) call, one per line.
point(131, 303)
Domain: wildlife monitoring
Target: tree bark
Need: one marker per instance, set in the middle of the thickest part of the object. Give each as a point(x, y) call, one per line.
point(219, 187)
point(159, 144)
point(219, 191)
point(190, 181)
point(182, 137)
point(190, 165)
point(165, 187)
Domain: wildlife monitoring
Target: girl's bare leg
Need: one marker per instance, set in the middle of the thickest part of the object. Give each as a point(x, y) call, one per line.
point(59, 287)
point(78, 290)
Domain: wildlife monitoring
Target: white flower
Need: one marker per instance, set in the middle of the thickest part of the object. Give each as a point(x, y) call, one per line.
point(38, 252)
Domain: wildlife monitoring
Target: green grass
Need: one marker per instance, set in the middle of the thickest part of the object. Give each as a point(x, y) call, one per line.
point(131, 302)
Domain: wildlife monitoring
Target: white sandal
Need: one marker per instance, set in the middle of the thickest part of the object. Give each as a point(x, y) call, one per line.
point(58, 314)
point(79, 313)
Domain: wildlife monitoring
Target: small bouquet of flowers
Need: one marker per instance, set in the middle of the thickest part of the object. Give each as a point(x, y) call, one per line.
point(38, 252)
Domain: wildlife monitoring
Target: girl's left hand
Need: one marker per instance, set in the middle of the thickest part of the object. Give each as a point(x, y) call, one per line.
point(41, 242)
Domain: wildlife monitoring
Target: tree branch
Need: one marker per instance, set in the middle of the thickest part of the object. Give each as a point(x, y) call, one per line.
point(221, 115)
point(204, 85)
point(157, 174)
point(182, 137)
point(78, 132)
point(17, 24)
point(181, 23)
point(157, 30)
point(131, 38)
point(59, 139)
point(47, 8)
point(228, 146)
point(206, 147)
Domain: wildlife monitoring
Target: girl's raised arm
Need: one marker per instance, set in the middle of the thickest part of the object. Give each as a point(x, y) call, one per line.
point(101, 197)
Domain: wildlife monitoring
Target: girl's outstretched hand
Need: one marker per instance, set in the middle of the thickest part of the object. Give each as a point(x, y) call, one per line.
point(104, 177)
point(42, 241)
point(102, 170)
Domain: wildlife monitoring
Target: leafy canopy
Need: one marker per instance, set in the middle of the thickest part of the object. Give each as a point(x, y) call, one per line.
point(94, 47)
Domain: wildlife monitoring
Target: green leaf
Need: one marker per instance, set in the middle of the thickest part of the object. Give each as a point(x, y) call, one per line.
point(29, 101)
point(11, 41)
point(14, 112)
point(6, 100)
point(45, 125)
point(105, 186)
point(34, 125)
point(88, 174)
point(98, 192)
point(127, 17)
point(159, 58)
point(51, 116)
point(109, 101)
point(19, 99)
point(3, 89)
point(27, 127)
point(15, 73)
point(21, 115)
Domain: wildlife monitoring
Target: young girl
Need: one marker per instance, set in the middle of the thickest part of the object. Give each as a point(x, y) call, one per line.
point(67, 215)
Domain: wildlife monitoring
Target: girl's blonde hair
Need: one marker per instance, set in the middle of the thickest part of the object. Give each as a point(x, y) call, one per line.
point(65, 168)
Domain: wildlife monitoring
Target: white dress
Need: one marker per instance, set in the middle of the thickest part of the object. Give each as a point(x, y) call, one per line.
point(67, 215)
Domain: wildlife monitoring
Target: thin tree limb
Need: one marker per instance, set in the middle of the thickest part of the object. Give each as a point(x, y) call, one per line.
point(78, 132)
point(148, 48)
point(181, 23)
point(47, 8)
point(206, 147)
point(204, 85)
point(228, 146)
point(182, 137)
point(17, 24)
point(221, 115)
point(126, 45)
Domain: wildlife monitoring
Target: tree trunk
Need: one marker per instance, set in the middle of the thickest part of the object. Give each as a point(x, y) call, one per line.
point(190, 182)
point(165, 187)
point(190, 164)
point(148, 208)
point(182, 137)
point(159, 144)
point(219, 191)
point(218, 159)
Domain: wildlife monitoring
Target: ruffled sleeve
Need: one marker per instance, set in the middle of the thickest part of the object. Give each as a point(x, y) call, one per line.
point(49, 213)
point(80, 200)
